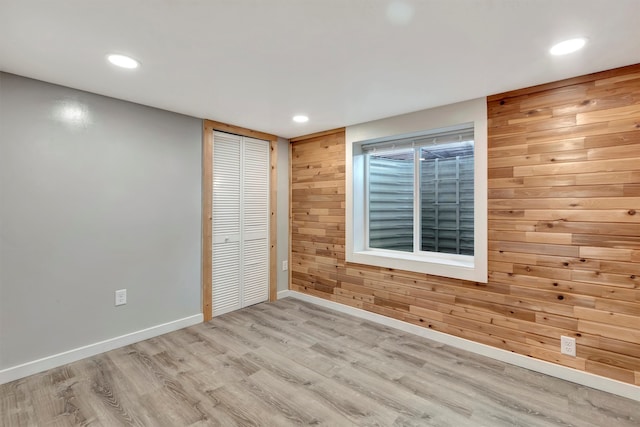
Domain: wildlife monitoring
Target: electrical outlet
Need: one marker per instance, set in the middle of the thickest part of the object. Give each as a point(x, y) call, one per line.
point(121, 297)
point(568, 346)
point(285, 265)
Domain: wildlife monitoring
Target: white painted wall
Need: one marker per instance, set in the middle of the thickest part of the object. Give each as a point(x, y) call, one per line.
point(283, 212)
point(96, 194)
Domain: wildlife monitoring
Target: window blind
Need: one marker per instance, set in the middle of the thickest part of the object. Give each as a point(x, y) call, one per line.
point(432, 138)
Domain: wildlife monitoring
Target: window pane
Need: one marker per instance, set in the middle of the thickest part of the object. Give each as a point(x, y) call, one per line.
point(446, 191)
point(391, 200)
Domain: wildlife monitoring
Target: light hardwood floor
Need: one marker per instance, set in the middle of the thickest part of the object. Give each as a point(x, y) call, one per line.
point(292, 363)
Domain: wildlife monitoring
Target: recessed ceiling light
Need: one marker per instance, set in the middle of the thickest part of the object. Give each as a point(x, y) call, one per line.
point(123, 61)
point(300, 119)
point(399, 12)
point(568, 46)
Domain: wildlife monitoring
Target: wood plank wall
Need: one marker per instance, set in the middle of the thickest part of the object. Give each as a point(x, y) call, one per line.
point(564, 230)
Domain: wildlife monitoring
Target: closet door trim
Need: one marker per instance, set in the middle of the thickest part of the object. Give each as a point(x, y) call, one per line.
point(208, 127)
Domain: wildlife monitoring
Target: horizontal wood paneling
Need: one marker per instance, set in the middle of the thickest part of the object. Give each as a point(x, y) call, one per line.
point(564, 230)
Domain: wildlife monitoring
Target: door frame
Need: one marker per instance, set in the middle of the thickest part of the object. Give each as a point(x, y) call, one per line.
point(208, 127)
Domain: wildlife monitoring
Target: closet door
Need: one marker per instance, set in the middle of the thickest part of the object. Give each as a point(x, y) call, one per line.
point(226, 250)
point(255, 221)
point(240, 235)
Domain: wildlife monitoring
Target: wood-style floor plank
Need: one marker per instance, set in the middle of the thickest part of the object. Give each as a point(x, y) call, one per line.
point(291, 363)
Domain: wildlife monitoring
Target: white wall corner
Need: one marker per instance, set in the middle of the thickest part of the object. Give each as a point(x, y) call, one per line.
point(284, 294)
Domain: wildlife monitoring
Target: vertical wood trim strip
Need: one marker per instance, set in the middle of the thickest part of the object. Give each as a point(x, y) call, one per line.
point(273, 221)
point(290, 222)
point(207, 195)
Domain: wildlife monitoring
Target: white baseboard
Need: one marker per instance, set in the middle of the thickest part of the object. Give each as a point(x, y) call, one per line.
point(284, 294)
point(619, 388)
point(49, 362)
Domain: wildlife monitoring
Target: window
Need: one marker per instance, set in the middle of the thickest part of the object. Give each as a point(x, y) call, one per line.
point(417, 201)
point(420, 192)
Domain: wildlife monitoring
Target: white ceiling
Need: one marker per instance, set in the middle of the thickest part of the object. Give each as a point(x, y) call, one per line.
point(256, 63)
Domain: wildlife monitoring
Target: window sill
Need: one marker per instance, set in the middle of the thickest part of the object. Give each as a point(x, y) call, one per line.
point(437, 264)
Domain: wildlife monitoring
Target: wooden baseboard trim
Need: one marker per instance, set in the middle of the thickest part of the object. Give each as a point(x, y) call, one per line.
point(49, 362)
point(619, 388)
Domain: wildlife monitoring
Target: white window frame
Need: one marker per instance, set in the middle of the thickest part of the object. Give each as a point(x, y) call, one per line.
point(465, 267)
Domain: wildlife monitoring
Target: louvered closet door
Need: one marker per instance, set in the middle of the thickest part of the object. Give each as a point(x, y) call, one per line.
point(255, 221)
point(240, 222)
point(226, 265)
